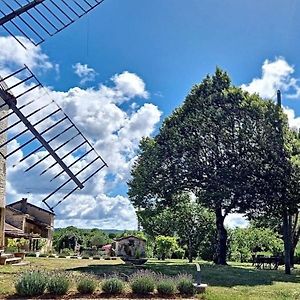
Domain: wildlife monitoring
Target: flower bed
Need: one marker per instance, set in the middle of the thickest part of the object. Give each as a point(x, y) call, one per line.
point(142, 283)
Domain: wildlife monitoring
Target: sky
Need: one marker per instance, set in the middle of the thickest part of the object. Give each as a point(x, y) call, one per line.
point(120, 70)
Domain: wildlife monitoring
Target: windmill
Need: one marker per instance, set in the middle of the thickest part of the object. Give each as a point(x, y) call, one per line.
point(38, 19)
point(43, 127)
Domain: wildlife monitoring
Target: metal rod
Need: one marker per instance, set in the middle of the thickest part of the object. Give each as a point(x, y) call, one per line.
point(44, 143)
point(13, 74)
point(86, 140)
point(66, 182)
point(76, 188)
point(73, 163)
point(43, 172)
point(20, 82)
point(46, 156)
point(47, 142)
point(25, 130)
point(11, 113)
point(31, 140)
point(19, 11)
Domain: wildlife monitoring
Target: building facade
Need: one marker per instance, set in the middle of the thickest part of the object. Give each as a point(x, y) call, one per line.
point(35, 224)
point(130, 246)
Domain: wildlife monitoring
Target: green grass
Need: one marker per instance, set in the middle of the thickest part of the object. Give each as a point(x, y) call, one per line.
point(235, 281)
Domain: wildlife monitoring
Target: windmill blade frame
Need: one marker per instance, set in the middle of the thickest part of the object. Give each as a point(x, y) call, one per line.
point(36, 20)
point(77, 144)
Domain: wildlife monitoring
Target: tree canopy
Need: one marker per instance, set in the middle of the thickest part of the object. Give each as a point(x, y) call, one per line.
point(231, 149)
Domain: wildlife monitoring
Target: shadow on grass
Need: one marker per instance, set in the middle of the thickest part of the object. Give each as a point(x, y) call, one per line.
point(224, 276)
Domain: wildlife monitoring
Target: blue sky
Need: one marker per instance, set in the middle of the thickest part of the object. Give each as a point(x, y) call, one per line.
point(142, 58)
point(172, 44)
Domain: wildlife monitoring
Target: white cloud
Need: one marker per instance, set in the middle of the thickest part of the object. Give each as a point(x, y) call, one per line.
point(85, 73)
point(13, 54)
point(294, 121)
point(276, 75)
point(114, 131)
point(130, 85)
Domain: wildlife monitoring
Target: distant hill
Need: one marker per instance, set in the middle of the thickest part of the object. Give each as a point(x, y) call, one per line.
point(104, 230)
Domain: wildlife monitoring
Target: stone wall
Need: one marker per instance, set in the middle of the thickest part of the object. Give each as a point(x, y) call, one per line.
point(3, 125)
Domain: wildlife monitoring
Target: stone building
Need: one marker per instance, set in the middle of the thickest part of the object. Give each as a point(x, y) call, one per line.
point(25, 220)
point(129, 246)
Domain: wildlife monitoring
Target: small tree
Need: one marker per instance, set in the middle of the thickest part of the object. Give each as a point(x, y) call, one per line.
point(193, 223)
point(165, 246)
point(245, 241)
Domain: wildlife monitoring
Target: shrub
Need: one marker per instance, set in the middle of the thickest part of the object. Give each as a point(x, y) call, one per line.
point(58, 284)
point(85, 257)
point(61, 256)
point(166, 286)
point(185, 285)
point(31, 254)
point(43, 255)
point(96, 257)
point(113, 286)
point(86, 285)
point(142, 282)
point(178, 253)
point(51, 256)
point(31, 283)
point(67, 252)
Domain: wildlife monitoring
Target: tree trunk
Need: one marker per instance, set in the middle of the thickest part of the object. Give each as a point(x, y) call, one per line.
point(292, 254)
point(295, 234)
point(287, 241)
point(190, 250)
point(222, 238)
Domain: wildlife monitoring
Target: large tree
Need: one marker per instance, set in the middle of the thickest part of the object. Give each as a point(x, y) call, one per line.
point(222, 144)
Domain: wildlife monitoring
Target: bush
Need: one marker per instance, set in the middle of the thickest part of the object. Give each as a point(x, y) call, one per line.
point(178, 253)
point(31, 283)
point(113, 286)
point(58, 284)
point(43, 255)
point(96, 257)
point(185, 285)
point(31, 254)
point(86, 285)
point(166, 287)
point(85, 257)
point(52, 256)
point(67, 252)
point(142, 282)
point(62, 256)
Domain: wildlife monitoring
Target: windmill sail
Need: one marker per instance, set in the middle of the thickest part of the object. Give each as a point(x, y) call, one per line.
point(40, 124)
point(38, 19)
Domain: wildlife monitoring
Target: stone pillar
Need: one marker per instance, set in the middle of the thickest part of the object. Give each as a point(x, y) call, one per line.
point(3, 125)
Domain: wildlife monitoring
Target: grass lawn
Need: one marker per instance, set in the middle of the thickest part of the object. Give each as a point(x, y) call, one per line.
point(236, 281)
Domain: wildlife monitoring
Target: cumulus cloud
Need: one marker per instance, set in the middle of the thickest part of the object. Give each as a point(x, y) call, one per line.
point(114, 132)
point(130, 84)
point(85, 73)
point(13, 54)
point(277, 74)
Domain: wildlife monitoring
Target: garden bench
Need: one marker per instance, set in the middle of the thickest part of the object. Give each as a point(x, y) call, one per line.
point(9, 258)
point(262, 262)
